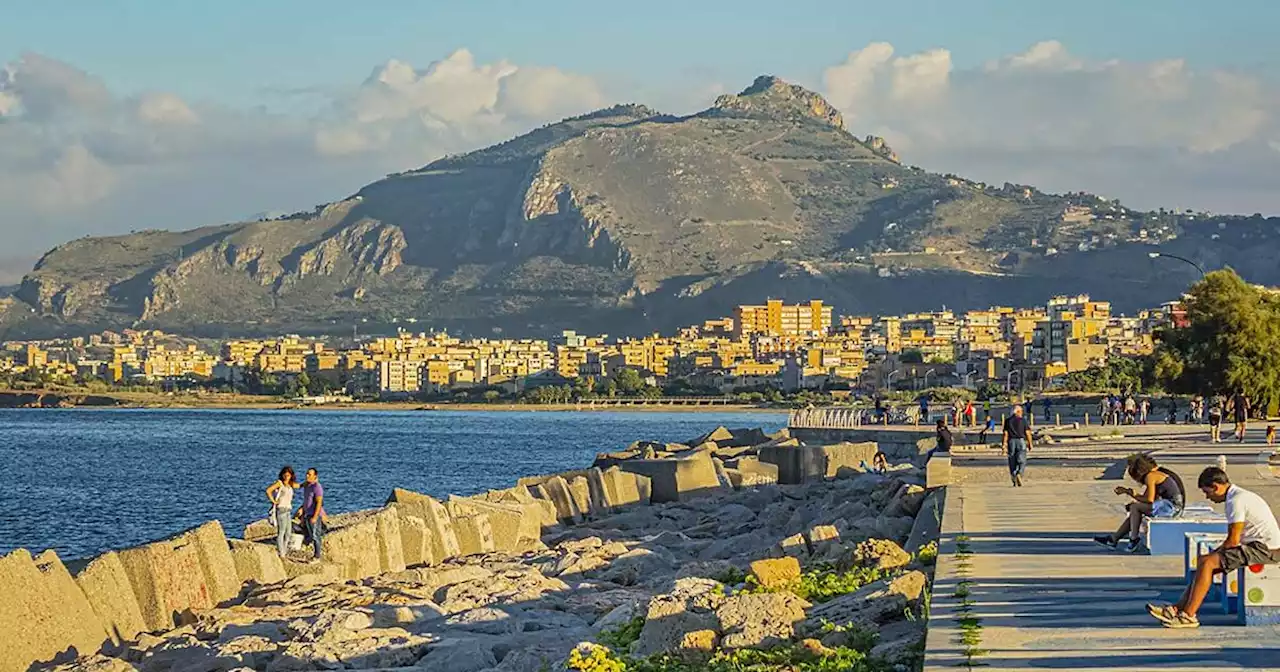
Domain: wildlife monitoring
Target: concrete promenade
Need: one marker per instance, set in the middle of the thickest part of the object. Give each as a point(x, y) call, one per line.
point(1021, 586)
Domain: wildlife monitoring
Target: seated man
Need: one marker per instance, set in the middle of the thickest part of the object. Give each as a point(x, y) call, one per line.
point(1253, 538)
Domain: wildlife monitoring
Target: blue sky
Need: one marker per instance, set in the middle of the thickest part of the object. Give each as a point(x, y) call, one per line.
point(129, 114)
point(232, 51)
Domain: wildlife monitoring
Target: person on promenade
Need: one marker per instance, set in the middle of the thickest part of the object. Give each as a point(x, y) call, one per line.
point(945, 440)
point(1047, 404)
point(1173, 411)
point(312, 511)
point(1161, 497)
point(970, 414)
point(1240, 413)
point(1130, 409)
point(1253, 538)
point(1144, 410)
point(1016, 443)
point(986, 410)
point(1215, 420)
point(924, 408)
point(280, 494)
point(989, 424)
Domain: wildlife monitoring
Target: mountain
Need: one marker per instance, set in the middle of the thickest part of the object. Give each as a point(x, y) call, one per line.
point(626, 220)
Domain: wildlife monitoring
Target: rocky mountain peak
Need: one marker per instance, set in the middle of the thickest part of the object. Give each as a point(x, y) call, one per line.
point(770, 97)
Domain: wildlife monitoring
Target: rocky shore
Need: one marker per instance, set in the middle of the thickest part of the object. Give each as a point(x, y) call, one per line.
point(735, 550)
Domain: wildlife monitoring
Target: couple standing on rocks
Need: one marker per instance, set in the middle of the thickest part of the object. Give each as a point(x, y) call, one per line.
point(310, 518)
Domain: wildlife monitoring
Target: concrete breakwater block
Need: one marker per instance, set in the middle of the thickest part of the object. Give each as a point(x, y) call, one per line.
point(353, 544)
point(37, 622)
point(415, 541)
point(513, 525)
point(167, 579)
point(443, 539)
point(802, 464)
point(106, 585)
point(215, 560)
point(677, 479)
point(475, 534)
point(256, 562)
point(556, 490)
point(390, 549)
point(623, 488)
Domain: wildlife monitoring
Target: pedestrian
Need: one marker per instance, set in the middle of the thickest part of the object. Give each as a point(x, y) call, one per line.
point(280, 494)
point(1144, 409)
point(944, 438)
point(988, 425)
point(1271, 436)
point(1046, 409)
point(970, 414)
point(1016, 443)
point(1253, 538)
point(312, 511)
point(1215, 420)
point(924, 408)
point(1240, 413)
point(986, 409)
point(1161, 497)
point(1104, 409)
point(1130, 409)
point(957, 409)
point(1173, 411)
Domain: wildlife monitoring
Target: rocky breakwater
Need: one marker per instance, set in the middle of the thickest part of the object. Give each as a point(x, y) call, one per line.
point(736, 548)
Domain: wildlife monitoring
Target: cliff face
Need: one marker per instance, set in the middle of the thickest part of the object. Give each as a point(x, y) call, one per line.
point(626, 221)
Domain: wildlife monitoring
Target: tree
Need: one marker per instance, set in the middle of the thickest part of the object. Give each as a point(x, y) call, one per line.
point(1232, 341)
point(629, 382)
point(304, 382)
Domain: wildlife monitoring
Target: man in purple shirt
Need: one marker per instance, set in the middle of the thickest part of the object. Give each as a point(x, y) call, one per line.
point(312, 511)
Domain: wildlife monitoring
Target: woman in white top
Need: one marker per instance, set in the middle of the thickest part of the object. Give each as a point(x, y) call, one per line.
point(280, 494)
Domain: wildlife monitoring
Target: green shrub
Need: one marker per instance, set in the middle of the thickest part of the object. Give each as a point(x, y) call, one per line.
point(624, 636)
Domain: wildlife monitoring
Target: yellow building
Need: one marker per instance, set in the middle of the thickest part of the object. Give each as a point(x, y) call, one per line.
point(776, 319)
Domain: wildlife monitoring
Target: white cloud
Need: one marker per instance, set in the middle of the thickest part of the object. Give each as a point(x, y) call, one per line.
point(1048, 117)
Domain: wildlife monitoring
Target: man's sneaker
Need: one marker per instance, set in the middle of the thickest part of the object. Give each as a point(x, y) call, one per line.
point(1163, 612)
point(1182, 620)
point(1017, 480)
point(1105, 540)
point(1132, 547)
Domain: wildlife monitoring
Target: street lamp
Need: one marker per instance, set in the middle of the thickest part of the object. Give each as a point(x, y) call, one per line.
point(966, 378)
point(926, 377)
point(889, 380)
point(1157, 255)
point(1008, 380)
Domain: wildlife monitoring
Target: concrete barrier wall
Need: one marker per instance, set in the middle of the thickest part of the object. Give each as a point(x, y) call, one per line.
point(801, 464)
point(106, 585)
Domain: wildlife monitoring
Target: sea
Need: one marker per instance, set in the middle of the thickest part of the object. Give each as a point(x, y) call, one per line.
point(83, 481)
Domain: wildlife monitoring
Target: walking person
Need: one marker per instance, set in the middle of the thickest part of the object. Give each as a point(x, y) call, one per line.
point(1240, 413)
point(280, 494)
point(1253, 538)
point(1144, 409)
point(1016, 443)
point(1215, 420)
point(312, 511)
point(1161, 497)
point(970, 414)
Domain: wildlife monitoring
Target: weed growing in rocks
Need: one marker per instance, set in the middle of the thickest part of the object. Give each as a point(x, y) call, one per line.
point(825, 582)
point(732, 577)
point(624, 636)
point(791, 658)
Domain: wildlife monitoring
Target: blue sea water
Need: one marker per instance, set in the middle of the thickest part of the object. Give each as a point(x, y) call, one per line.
point(82, 481)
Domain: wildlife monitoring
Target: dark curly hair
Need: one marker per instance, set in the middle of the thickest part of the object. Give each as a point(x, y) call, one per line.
point(1141, 464)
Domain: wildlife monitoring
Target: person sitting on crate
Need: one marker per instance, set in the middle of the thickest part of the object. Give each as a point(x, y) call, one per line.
point(1253, 538)
point(1162, 496)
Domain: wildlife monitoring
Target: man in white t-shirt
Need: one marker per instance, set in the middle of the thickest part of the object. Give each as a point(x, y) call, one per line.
point(1253, 538)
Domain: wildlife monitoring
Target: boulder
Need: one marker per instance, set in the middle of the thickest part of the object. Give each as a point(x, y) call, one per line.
point(870, 605)
point(623, 488)
point(899, 642)
point(677, 479)
point(762, 620)
point(928, 523)
point(879, 553)
point(444, 542)
point(510, 525)
point(775, 572)
point(215, 561)
point(689, 607)
point(793, 546)
point(906, 501)
point(106, 585)
point(459, 654)
point(316, 572)
point(555, 490)
point(256, 562)
point(580, 490)
point(35, 626)
point(822, 538)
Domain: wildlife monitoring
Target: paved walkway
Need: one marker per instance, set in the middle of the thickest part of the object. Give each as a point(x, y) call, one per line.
point(1041, 595)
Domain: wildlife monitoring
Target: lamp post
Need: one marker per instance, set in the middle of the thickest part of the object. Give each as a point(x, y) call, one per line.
point(966, 378)
point(1008, 380)
point(889, 380)
point(1157, 255)
point(926, 378)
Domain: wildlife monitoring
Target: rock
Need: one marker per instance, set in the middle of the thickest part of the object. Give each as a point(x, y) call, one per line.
point(486, 620)
point(458, 654)
point(373, 648)
point(404, 615)
point(901, 641)
point(762, 620)
point(637, 566)
point(775, 573)
point(868, 606)
point(878, 553)
point(689, 607)
point(331, 625)
point(793, 546)
point(906, 501)
point(928, 523)
point(699, 640)
point(95, 663)
point(822, 537)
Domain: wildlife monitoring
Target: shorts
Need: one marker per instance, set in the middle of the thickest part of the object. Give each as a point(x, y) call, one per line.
point(1250, 553)
point(1215, 421)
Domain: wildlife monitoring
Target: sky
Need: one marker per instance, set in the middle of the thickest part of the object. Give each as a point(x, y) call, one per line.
point(129, 114)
